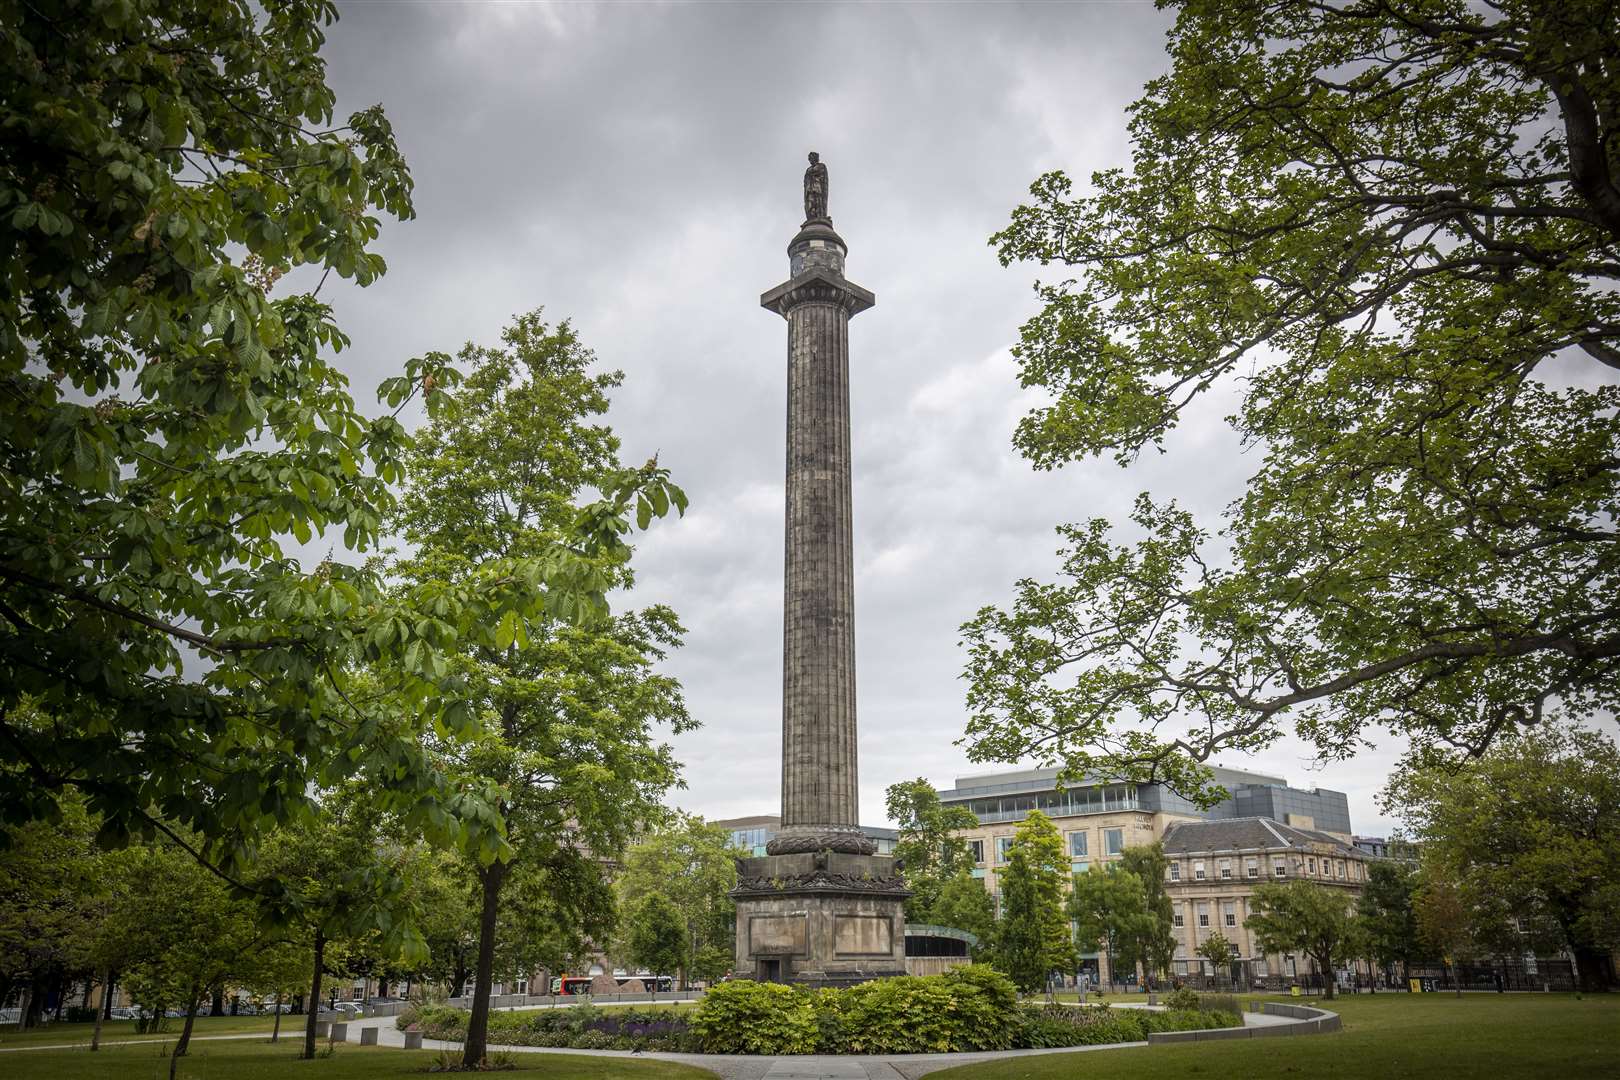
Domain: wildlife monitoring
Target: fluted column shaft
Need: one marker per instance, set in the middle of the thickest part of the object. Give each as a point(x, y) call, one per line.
point(819, 777)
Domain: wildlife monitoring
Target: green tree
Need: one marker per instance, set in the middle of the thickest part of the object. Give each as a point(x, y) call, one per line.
point(929, 849)
point(335, 882)
point(1218, 951)
point(965, 904)
point(1379, 222)
point(567, 699)
point(1531, 830)
point(1449, 921)
point(1158, 939)
point(446, 891)
point(282, 972)
point(1033, 938)
point(50, 878)
point(168, 423)
point(1388, 922)
point(657, 941)
point(692, 865)
point(1302, 916)
point(1111, 914)
point(185, 933)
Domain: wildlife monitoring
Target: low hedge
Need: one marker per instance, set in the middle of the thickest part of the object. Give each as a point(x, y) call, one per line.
point(1053, 1026)
point(578, 1027)
point(968, 1008)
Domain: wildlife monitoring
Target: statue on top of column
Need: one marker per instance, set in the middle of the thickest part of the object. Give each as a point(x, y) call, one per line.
point(815, 190)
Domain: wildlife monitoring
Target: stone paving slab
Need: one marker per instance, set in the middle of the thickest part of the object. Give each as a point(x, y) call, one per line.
point(824, 1067)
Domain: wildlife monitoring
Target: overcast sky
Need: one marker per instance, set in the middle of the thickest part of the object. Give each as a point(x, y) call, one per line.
point(636, 168)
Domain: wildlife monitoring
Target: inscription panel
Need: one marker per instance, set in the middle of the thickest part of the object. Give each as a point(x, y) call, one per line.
point(863, 935)
point(778, 935)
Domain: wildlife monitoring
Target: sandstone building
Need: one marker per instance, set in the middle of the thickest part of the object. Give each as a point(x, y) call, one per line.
point(1266, 830)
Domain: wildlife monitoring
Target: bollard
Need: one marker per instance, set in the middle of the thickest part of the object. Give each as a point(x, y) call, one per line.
point(368, 1036)
point(340, 1032)
point(322, 1027)
point(413, 1040)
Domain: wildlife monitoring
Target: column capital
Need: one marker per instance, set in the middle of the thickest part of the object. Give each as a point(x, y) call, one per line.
point(817, 285)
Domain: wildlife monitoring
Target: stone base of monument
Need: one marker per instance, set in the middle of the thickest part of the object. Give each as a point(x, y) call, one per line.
point(822, 918)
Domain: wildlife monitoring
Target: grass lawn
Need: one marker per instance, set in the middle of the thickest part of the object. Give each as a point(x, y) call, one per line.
point(122, 1030)
point(251, 1059)
point(1433, 1036)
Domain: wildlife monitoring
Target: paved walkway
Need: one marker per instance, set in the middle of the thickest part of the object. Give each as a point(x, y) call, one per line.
point(791, 1067)
point(725, 1066)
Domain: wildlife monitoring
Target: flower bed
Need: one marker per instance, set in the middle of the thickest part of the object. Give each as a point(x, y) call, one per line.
point(968, 1008)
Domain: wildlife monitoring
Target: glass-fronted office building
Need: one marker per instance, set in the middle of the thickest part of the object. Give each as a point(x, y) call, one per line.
point(753, 833)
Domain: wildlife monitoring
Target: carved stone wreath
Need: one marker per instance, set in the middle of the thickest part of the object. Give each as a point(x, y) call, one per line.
point(820, 881)
point(797, 843)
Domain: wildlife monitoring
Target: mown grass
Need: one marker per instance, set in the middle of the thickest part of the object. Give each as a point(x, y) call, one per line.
point(1500, 1036)
point(124, 1030)
point(255, 1059)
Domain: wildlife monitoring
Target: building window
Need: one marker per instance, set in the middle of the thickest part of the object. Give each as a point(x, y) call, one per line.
point(1175, 871)
point(522, 987)
point(1226, 870)
point(1279, 868)
point(976, 849)
point(1179, 921)
point(1077, 845)
point(1229, 913)
point(1310, 867)
point(1079, 866)
point(1338, 869)
point(1198, 871)
point(1203, 915)
point(1252, 867)
point(1113, 841)
point(1002, 844)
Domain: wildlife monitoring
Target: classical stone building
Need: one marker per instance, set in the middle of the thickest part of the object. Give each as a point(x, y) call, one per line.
point(1099, 820)
point(1214, 869)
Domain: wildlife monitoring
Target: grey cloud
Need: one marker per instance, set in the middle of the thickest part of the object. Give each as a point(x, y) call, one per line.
point(635, 167)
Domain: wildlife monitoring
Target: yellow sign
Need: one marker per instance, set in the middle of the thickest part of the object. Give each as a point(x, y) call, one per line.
point(1417, 985)
point(1294, 991)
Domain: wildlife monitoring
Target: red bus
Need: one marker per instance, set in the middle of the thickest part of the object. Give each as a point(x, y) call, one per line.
point(576, 985)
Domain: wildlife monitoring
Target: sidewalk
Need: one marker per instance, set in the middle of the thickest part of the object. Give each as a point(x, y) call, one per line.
point(794, 1067)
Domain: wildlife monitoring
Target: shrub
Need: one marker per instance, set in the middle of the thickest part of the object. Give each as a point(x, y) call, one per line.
point(442, 1022)
point(1053, 1026)
point(1182, 998)
point(756, 1018)
point(903, 1015)
point(1224, 1003)
point(406, 1017)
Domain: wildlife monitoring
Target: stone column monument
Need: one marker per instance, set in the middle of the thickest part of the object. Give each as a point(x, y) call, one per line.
point(820, 907)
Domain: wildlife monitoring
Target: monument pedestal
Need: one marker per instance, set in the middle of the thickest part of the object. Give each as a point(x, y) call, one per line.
point(825, 918)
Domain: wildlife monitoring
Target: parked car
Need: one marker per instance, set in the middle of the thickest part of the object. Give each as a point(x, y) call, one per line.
point(349, 1009)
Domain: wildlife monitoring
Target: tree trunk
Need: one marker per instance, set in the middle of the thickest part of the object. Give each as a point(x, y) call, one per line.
point(1325, 969)
point(493, 877)
point(1592, 971)
point(107, 995)
point(216, 1007)
point(25, 1003)
point(101, 1013)
point(314, 998)
point(275, 1028)
point(195, 997)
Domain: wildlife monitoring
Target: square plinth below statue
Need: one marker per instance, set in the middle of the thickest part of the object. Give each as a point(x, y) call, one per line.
point(820, 918)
